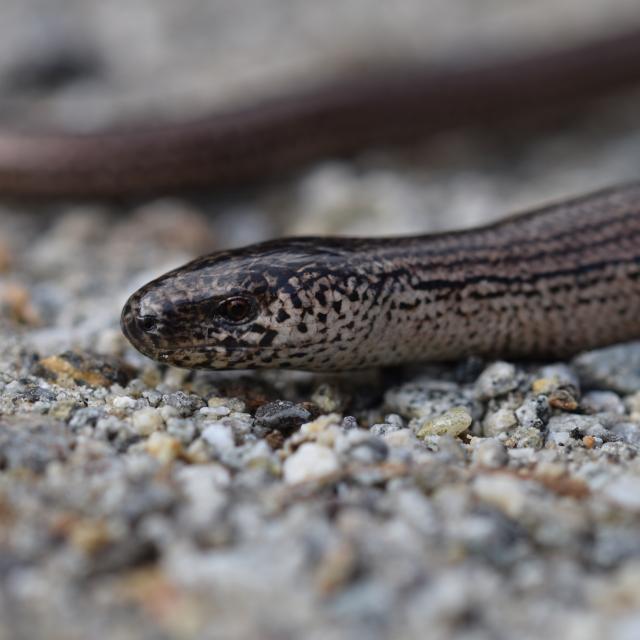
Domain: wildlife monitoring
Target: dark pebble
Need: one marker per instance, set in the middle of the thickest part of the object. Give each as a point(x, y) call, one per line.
point(283, 415)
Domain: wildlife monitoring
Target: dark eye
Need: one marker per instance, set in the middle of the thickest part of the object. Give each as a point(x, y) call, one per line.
point(147, 323)
point(236, 309)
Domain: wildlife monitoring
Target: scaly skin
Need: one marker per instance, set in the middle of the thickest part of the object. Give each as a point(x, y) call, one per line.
point(548, 283)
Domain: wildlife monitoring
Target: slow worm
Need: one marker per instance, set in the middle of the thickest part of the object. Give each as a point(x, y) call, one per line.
point(341, 117)
point(548, 283)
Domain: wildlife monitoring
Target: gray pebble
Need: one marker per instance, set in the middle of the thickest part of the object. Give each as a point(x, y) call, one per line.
point(559, 438)
point(534, 412)
point(362, 447)
point(186, 404)
point(349, 422)
point(616, 368)
point(602, 402)
point(426, 399)
point(383, 428)
point(629, 432)
point(86, 416)
point(496, 380)
point(526, 438)
point(153, 397)
point(578, 424)
point(564, 375)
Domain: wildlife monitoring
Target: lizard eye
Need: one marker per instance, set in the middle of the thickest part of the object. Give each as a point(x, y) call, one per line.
point(147, 323)
point(236, 309)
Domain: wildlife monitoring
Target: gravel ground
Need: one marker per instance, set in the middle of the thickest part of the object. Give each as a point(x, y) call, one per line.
point(483, 500)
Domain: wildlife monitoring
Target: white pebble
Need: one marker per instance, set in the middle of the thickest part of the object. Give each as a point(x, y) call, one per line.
point(218, 411)
point(560, 439)
point(219, 435)
point(499, 421)
point(146, 421)
point(123, 402)
point(310, 461)
point(496, 380)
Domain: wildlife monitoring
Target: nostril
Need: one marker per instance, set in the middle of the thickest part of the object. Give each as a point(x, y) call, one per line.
point(147, 323)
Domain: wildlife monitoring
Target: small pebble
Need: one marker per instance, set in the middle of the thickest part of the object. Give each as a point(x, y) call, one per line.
point(490, 453)
point(163, 447)
point(310, 461)
point(384, 428)
point(453, 423)
point(629, 432)
point(220, 411)
point(123, 402)
point(602, 402)
point(558, 439)
point(499, 421)
point(507, 493)
point(219, 436)
point(349, 423)
point(496, 380)
point(362, 447)
point(234, 404)
point(425, 400)
point(615, 368)
point(329, 398)
point(560, 375)
point(282, 415)
point(400, 438)
point(146, 421)
point(534, 412)
point(525, 438)
point(186, 404)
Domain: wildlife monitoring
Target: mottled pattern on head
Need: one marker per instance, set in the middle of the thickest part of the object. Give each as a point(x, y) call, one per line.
point(302, 293)
point(547, 284)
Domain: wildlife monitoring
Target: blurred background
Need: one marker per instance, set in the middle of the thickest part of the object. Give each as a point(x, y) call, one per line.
point(81, 65)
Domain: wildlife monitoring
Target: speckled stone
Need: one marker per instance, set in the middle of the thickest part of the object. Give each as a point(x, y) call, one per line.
point(426, 399)
point(534, 412)
point(282, 415)
point(496, 380)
